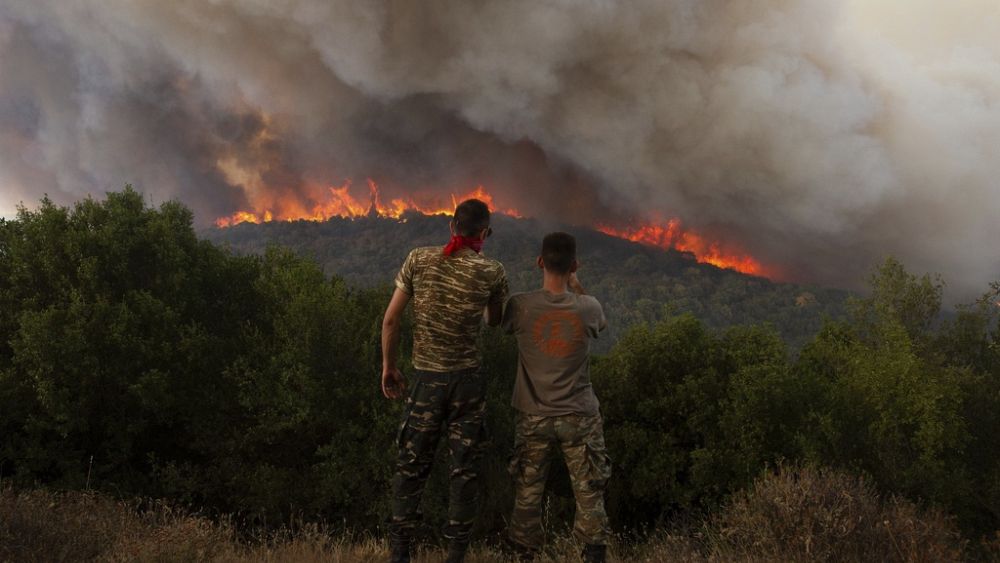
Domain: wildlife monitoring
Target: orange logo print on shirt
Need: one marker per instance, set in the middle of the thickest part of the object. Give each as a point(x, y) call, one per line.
point(556, 333)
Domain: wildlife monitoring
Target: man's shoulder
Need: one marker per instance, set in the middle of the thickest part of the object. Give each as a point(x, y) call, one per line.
point(468, 263)
point(487, 262)
point(591, 304)
point(424, 255)
point(422, 251)
point(484, 267)
point(525, 295)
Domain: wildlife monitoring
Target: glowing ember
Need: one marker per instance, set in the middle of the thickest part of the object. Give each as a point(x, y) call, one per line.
point(340, 203)
point(673, 236)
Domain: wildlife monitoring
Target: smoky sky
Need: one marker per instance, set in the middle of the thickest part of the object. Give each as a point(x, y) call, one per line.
point(790, 129)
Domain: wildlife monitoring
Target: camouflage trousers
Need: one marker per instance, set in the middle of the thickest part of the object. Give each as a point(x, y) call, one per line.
point(452, 403)
point(581, 439)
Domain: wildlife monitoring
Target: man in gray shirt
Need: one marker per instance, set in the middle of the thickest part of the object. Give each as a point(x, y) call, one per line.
point(555, 402)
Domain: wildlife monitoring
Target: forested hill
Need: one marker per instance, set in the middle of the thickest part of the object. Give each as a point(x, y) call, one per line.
point(636, 283)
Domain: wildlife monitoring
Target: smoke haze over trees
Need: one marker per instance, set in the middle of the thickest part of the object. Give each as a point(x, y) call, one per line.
point(819, 136)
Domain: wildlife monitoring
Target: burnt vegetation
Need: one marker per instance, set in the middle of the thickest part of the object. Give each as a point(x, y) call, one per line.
point(140, 360)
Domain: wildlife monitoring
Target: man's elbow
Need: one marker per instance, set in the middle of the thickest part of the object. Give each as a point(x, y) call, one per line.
point(390, 322)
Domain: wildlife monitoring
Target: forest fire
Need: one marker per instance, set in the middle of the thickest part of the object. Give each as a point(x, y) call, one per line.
point(673, 236)
point(342, 204)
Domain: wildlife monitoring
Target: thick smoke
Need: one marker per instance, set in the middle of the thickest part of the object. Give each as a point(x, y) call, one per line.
point(819, 138)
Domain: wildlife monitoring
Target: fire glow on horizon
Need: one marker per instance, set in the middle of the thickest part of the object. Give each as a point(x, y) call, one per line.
point(342, 204)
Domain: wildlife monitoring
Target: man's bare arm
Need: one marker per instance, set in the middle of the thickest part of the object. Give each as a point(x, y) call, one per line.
point(393, 381)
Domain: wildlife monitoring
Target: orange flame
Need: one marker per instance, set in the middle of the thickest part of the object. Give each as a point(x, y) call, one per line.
point(340, 203)
point(673, 236)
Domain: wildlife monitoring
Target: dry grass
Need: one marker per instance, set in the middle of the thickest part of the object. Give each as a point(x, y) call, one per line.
point(794, 515)
point(46, 526)
point(820, 515)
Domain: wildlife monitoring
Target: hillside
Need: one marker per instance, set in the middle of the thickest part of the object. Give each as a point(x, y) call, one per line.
point(636, 283)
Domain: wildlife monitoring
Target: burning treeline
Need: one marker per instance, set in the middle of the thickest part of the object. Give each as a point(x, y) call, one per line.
point(813, 136)
point(340, 203)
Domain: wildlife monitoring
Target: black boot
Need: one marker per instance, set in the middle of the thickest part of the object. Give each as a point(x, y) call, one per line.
point(456, 553)
point(594, 553)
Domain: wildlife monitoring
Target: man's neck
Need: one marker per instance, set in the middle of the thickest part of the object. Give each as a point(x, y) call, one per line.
point(555, 283)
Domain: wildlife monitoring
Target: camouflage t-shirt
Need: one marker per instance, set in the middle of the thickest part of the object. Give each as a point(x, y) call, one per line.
point(449, 294)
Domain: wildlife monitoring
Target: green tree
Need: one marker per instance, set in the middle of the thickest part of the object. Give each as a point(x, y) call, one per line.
point(692, 415)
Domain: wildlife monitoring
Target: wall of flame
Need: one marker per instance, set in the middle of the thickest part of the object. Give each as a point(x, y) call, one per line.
point(340, 202)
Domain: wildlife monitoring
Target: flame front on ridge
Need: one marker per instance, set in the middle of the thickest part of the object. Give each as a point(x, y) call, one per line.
point(342, 204)
point(673, 236)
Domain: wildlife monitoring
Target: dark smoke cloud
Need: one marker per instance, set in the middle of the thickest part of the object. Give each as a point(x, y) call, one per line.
point(786, 127)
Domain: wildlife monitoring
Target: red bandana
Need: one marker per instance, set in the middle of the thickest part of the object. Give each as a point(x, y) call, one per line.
point(459, 242)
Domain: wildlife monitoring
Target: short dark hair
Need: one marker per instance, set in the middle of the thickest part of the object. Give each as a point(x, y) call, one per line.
point(471, 217)
point(558, 252)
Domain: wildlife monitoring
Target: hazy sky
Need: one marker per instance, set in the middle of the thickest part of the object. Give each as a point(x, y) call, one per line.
point(818, 136)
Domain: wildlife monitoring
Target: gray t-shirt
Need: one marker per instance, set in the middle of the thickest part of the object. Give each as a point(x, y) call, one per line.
point(553, 340)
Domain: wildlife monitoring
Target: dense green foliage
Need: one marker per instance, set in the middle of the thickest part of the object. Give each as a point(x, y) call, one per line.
point(184, 371)
point(692, 413)
point(636, 283)
point(249, 384)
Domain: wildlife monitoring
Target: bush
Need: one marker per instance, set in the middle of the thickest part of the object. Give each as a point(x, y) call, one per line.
point(811, 514)
point(692, 415)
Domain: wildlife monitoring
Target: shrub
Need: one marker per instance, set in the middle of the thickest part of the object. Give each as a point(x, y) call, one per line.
point(811, 514)
point(692, 414)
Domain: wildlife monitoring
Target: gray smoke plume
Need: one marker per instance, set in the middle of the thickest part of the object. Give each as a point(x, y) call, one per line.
point(807, 133)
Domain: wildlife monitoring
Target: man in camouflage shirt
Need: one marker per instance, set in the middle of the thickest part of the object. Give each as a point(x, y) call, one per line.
point(555, 402)
point(451, 290)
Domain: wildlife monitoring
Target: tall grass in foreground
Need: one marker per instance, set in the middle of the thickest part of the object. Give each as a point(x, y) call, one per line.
point(794, 514)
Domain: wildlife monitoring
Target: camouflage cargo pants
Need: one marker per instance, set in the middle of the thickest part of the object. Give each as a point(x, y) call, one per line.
point(452, 403)
point(581, 439)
